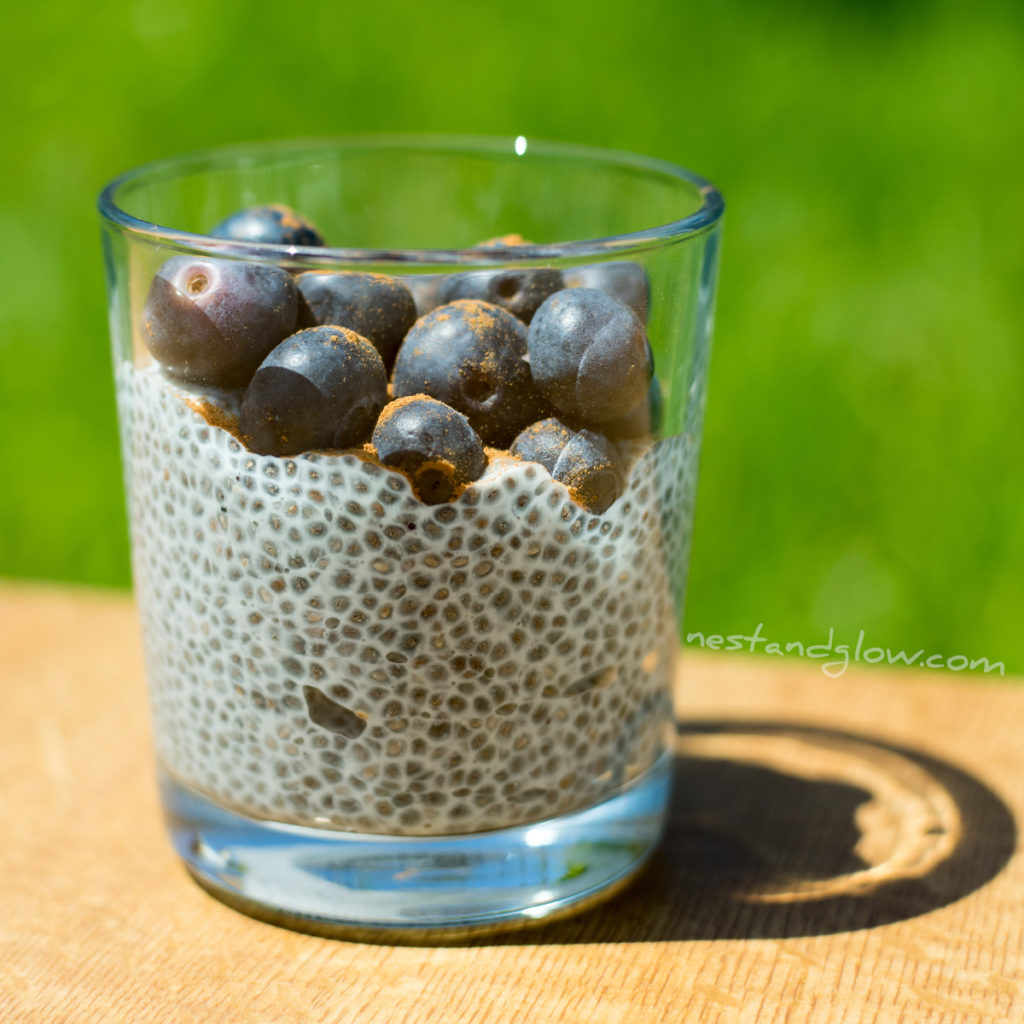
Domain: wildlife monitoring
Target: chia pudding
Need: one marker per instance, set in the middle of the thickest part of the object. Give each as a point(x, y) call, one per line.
point(332, 641)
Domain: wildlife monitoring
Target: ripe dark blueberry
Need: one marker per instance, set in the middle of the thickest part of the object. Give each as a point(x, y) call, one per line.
point(518, 291)
point(472, 355)
point(589, 467)
point(622, 279)
point(212, 321)
point(432, 444)
point(379, 308)
point(275, 224)
point(542, 442)
point(589, 355)
point(643, 421)
point(321, 388)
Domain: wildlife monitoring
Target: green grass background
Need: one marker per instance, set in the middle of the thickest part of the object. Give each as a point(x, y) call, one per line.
point(862, 466)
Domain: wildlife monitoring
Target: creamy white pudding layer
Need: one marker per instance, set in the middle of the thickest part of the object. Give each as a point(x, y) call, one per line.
point(325, 649)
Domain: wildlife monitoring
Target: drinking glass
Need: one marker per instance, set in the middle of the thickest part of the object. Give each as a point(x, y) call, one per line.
point(377, 712)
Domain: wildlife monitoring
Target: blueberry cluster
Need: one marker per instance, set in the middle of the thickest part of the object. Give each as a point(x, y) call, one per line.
point(422, 373)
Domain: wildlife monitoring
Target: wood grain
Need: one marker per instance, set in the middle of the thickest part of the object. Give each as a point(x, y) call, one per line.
point(839, 851)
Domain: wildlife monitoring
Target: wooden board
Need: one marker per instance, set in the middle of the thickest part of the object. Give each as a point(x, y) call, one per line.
point(839, 851)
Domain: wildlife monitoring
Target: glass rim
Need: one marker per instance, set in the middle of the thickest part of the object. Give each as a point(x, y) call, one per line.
point(697, 222)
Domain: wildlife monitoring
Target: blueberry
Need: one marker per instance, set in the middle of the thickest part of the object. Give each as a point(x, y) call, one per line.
point(432, 444)
point(542, 442)
point(622, 279)
point(212, 321)
point(589, 355)
point(643, 421)
point(276, 224)
point(518, 291)
point(379, 308)
point(321, 388)
point(425, 287)
point(472, 355)
point(589, 467)
point(586, 462)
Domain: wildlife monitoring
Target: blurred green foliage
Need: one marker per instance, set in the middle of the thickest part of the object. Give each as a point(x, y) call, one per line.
point(862, 464)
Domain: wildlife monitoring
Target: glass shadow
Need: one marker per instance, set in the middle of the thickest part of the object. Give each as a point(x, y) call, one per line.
point(779, 830)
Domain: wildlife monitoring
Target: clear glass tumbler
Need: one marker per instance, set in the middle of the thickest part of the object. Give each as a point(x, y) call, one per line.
point(410, 513)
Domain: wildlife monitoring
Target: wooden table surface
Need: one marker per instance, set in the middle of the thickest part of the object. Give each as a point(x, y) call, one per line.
point(840, 850)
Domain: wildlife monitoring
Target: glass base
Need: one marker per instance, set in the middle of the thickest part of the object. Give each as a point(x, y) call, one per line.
point(417, 888)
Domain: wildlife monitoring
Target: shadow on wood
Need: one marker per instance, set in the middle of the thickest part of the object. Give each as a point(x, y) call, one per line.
point(780, 830)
